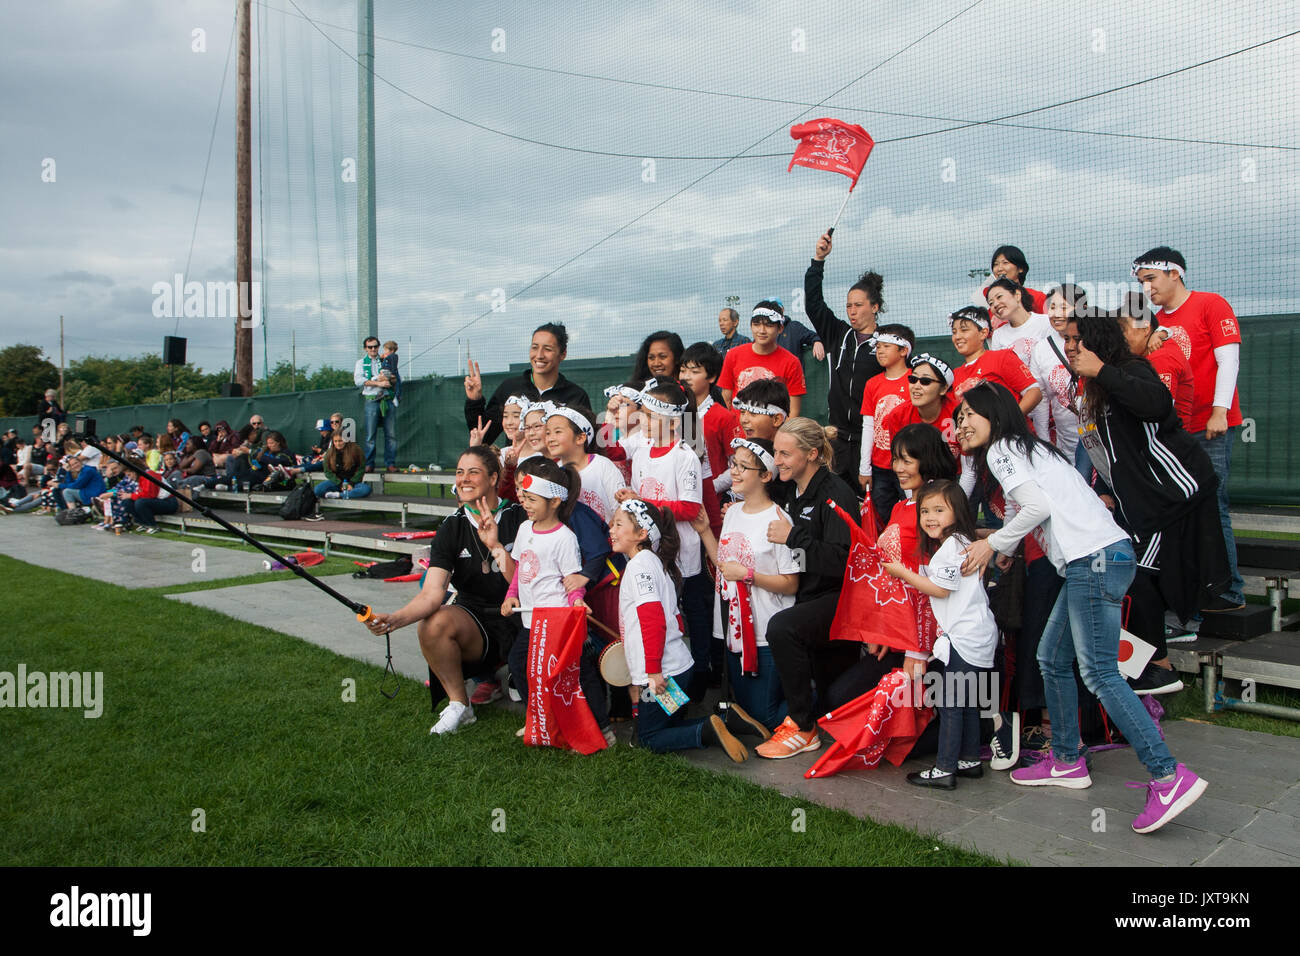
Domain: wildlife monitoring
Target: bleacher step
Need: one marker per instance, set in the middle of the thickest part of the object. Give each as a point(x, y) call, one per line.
point(1239, 625)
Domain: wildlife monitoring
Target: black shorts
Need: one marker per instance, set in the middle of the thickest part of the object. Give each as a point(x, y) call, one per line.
point(498, 633)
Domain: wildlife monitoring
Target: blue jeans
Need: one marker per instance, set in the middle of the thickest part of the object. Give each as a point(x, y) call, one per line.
point(373, 418)
point(761, 697)
point(360, 490)
point(1082, 463)
point(697, 611)
point(659, 733)
point(959, 712)
point(1084, 626)
point(1220, 452)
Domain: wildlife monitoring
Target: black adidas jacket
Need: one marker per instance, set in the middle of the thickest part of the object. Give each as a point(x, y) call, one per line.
point(819, 533)
point(851, 364)
point(1154, 469)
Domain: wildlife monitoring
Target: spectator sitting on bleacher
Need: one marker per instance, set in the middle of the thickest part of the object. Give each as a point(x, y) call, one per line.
point(197, 465)
point(84, 484)
point(222, 443)
point(11, 486)
point(239, 462)
point(345, 471)
point(205, 434)
point(315, 462)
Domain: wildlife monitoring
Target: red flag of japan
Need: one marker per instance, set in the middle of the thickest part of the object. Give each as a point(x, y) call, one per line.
point(833, 145)
point(873, 607)
point(558, 715)
point(882, 724)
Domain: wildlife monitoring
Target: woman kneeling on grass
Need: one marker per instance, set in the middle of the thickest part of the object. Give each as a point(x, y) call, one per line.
point(1095, 556)
point(472, 553)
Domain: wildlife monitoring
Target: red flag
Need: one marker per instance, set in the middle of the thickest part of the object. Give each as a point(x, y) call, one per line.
point(881, 724)
point(833, 145)
point(558, 715)
point(874, 607)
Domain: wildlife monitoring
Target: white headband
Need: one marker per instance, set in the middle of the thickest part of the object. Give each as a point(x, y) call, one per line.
point(543, 488)
point(943, 368)
point(772, 314)
point(624, 391)
point(970, 315)
point(518, 400)
point(761, 453)
point(660, 407)
point(890, 339)
point(1164, 266)
point(546, 408)
point(640, 513)
point(563, 411)
point(756, 409)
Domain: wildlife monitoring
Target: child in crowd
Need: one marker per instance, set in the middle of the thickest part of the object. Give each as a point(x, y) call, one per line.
point(701, 365)
point(512, 428)
point(388, 363)
point(570, 437)
point(762, 408)
point(667, 474)
point(970, 336)
point(881, 395)
point(652, 632)
point(764, 358)
point(755, 578)
point(545, 552)
point(967, 633)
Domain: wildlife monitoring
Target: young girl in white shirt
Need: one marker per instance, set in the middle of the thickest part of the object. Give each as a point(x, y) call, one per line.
point(652, 632)
point(755, 579)
point(967, 635)
point(569, 437)
point(545, 552)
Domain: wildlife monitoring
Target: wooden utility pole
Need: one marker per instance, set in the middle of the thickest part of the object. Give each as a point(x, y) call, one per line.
point(62, 401)
point(244, 211)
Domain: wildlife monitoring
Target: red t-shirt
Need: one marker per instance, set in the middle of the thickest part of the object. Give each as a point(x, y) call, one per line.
point(743, 365)
point(1199, 326)
point(1172, 367)
point(720, 425)
point(907, 414)
point(1040, 305)
point(997, 365)
point(900, 541)
point(880, 396)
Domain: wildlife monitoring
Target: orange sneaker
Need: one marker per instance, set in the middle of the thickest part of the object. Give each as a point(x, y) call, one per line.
point(788, 740)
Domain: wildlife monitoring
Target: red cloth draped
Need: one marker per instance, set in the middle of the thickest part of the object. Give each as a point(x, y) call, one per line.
point(558, 714)
point(883, 723)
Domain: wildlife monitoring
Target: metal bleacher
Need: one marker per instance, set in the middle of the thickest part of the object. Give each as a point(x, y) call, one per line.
point(347, 528)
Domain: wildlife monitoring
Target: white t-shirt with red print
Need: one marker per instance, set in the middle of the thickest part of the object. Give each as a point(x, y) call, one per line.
point(672, 474)
point(601, 480)
point(743, 365)
point(880, 396)
point(963, 615)
point(1199, 326)
point(1055, 381)
point(542, 559)
point(646, 587)
point(1021, 340)
point(744, 539)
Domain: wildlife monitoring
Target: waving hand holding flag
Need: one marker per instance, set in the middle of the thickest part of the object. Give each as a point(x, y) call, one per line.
point(832, 145)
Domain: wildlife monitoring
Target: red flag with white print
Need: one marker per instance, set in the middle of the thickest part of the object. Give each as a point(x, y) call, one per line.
point(558, 713)
point(874, 607)
point(832, 145)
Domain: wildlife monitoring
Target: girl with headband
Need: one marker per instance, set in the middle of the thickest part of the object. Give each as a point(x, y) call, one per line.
point(512, 426)
point(666, 473)
point(545, 552)
point(652, 631)
point(894, 344)
point(570, 438)
point(755, 579)
point(929, 388)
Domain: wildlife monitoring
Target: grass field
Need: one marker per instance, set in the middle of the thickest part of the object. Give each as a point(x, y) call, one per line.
point(249, 726)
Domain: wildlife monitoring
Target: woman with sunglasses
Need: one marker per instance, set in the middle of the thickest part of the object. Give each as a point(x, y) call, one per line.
point(929, 386)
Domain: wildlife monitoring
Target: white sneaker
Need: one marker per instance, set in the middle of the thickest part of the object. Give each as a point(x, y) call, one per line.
point(454, 716)
point(332, 494)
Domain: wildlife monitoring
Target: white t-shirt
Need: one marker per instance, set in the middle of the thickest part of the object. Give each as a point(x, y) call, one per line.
point(90, 455)
point(644, 581)
point(1079, 524)
point(543, 559)
point(601, 479)
point(1054, 379)
point(674, 476)
point(744, 539)
point(964, 619)
point(1022, 340)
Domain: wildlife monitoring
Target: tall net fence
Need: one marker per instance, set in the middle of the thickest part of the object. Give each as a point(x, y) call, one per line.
point(622, 167)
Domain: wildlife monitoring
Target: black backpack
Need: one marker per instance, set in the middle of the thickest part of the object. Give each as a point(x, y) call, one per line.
point(72, 516)
point(300, 503)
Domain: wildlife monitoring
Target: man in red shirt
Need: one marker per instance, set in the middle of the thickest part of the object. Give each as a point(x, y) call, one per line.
point(1141, 327)
point(764, 358)
point(970, 333)
point(1204, 327)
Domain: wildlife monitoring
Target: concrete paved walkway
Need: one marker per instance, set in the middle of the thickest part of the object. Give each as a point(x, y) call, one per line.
point(1250, 816)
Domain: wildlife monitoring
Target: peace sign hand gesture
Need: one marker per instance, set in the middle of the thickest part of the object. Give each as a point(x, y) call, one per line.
point(476, 434)
point(473, 382)
point(487, 526)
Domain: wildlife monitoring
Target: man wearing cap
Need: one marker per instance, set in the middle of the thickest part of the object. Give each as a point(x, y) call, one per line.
point(49, 407)
point(1204, 326)
point(764, 358)
point(728, 322)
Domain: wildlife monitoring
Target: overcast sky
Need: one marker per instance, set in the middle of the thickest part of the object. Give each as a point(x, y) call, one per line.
point(118, 98)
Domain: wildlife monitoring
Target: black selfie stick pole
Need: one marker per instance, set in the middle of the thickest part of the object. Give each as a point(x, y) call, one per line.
point(362, 611)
